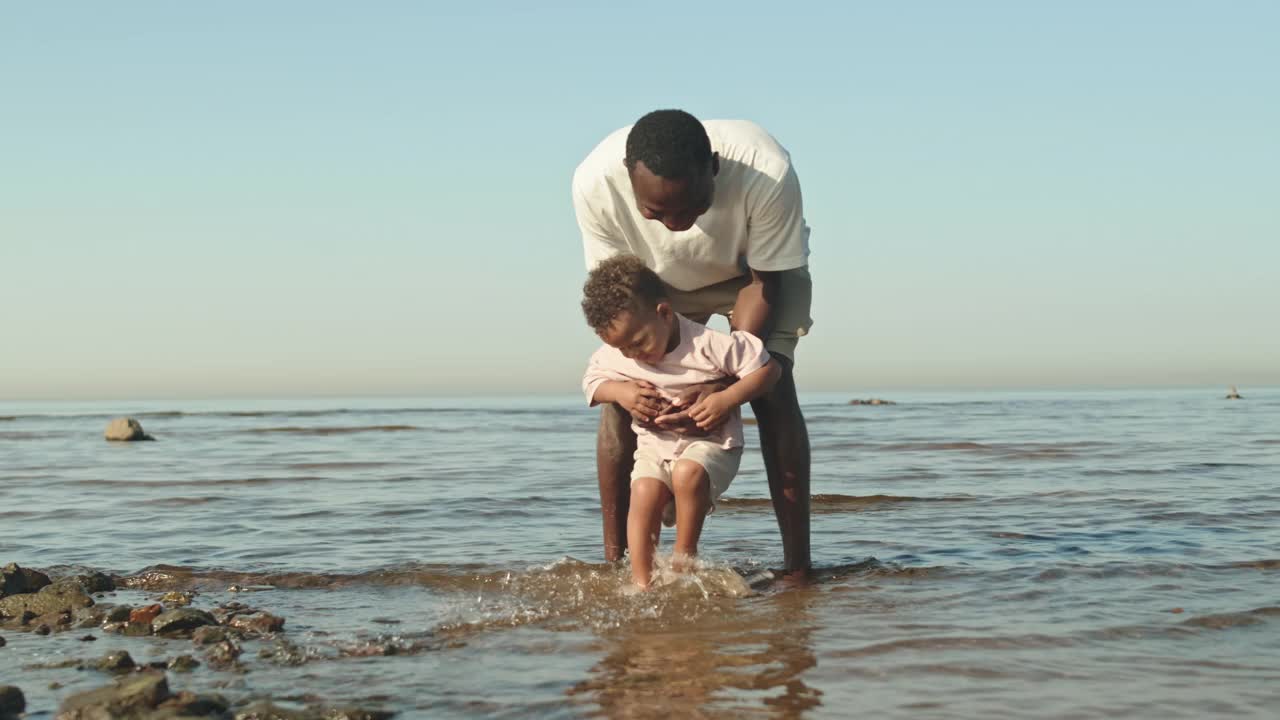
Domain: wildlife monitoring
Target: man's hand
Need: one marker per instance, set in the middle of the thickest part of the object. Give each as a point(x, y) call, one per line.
point(642, 400)
point(677, 419)
point(712, 410)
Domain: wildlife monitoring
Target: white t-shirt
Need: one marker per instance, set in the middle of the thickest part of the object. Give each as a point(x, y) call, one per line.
point(756, 219)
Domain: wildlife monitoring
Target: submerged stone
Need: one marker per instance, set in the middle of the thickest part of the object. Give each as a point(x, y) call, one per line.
point(180, 622)
point(16, 580)
point(145, 614)
point(12, 701)
point(119, 661)
point(183, 663)
point(129, 697)
point(208, 635)
point(125, 430)
point(260, 622)
point(55, 598)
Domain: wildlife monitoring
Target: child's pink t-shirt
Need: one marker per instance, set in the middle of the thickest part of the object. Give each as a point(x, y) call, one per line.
point(703, 355)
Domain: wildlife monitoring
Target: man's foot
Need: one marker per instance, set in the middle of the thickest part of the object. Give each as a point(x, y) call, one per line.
point(794, 578)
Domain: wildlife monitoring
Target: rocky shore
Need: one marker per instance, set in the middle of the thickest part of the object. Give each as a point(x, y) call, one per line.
point(33, 602)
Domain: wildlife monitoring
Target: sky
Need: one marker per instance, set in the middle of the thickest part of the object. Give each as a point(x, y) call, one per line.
point(322, 198)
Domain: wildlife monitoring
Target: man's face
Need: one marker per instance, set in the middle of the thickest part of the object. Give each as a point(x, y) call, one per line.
point(677, 204)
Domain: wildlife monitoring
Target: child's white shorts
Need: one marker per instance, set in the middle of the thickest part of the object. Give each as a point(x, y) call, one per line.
point(721, 465)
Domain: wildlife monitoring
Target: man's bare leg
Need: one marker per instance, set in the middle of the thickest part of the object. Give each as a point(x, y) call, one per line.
point(784, 442)
point(615, 455)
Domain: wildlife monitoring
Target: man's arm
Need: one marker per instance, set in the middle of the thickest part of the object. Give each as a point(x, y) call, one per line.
point(752, 313)
point(714, 409)
point(753, 310)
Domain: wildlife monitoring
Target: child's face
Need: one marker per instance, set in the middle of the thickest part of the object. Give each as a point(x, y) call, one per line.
point(641, 335)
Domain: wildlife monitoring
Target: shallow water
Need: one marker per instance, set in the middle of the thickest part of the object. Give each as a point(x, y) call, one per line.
point(1018, 554)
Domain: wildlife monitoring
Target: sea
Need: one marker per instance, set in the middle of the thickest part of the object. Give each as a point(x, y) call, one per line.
point(1047, 554)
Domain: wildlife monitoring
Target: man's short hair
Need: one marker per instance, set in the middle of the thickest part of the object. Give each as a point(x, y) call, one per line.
point(671, 143)
point(621, 283)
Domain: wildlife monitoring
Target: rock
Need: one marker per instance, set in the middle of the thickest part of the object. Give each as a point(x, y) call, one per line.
point(176, 598)
point(180, 622)
point(88, 638)
point(129, 697)
point(208, 635)
point(90, 617)
point(145, 614)
point(42, 629)
point(133, 629)
point(223, 654)
point(260, 623)
point(119, 661)
point(284, 653)
point(267, 710)
point(125, 430)
point(12, 701)
point(183, 663)
point(54, 598)
point(60, 620)
point(16, 580)
point(226, 611)
point(187, 704)
point(120, 613)
point(3, 642)
point(346, 713)
point(94, 582)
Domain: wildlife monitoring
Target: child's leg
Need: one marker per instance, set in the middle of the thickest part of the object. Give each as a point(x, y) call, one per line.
point(692, 488)
point(648, 497)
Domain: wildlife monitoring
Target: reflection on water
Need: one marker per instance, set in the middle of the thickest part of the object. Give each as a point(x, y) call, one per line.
point(748, 660)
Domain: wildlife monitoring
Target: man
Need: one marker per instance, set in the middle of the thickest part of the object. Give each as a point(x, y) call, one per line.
point(715, 210)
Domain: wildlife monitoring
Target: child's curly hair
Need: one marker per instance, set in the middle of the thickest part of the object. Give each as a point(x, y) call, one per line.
point(620, 283)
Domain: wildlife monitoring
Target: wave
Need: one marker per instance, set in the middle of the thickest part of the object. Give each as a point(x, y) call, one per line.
point(298, 413)
point(331, 430)
point(1223, 621)
point(184, 501)
point(949, 642)
point(452, 577)
point(338, 465)
point(211, 482)
point(1028, 451)
point(1268, 564)
point(22, 435)
point(837, 503)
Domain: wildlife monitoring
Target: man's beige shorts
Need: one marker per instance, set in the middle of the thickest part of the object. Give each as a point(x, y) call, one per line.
point(791, 318)
point(721, 465)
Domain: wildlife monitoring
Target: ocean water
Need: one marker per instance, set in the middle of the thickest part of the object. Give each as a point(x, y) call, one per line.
point(1057, 555)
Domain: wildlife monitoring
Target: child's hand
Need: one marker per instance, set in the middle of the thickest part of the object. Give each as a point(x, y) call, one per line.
point(642, 400)
point(712, 410)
